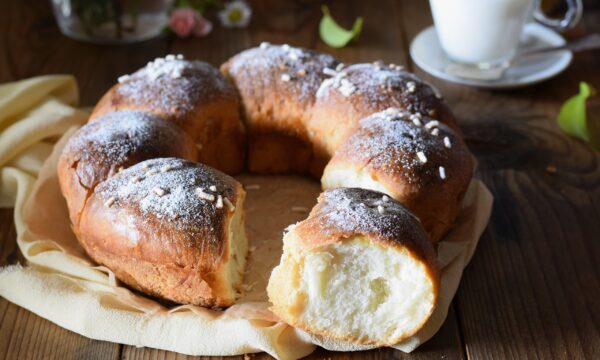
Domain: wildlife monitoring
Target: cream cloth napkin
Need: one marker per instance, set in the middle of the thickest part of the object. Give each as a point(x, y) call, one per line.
point(60, 283)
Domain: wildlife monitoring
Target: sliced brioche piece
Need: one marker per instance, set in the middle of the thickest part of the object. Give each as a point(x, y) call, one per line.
point(170, 228)
point(360, 268)
point(413, 158)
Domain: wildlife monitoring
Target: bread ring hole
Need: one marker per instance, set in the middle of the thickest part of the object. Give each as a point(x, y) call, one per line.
point(379, 293)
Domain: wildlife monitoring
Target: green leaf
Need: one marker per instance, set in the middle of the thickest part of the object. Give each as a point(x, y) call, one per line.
point(572, 116)
point(334, 35)
point(184, 4)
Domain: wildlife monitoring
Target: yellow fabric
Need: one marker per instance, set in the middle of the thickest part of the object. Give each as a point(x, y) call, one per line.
point(33, 112)
point(60, 283)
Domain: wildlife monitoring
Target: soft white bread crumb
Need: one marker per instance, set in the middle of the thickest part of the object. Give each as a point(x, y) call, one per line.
point(354, 289)
point(351, 175)
point(238, 248)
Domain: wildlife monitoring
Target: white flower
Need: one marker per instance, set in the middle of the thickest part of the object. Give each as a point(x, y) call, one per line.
point(235, 14)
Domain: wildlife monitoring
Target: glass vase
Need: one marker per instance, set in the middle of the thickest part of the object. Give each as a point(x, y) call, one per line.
point(112, 21)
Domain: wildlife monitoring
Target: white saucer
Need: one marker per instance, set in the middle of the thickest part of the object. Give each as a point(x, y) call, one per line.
point(427, 53)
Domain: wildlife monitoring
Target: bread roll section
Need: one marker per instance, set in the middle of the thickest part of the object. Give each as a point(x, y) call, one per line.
point(192, 95)
point(114, 142)
point(278, 86)
point(415, 159)
point(359, 268)
point(170, 228)
point(355, 91)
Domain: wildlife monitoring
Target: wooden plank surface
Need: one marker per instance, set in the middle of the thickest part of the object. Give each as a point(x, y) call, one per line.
point(532, 289)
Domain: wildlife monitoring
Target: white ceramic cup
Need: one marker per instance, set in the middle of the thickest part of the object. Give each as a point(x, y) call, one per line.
point(487, 32)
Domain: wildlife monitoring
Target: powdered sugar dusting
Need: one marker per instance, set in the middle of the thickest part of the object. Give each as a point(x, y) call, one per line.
point(391, 141)
point(172, 196)
point(299, 70)
point(119, 139)
point(361, 211)
point(380, 86)
point(174, 84)
point(169, 66)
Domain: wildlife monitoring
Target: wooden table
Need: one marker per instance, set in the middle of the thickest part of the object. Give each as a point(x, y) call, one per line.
point(531, 291)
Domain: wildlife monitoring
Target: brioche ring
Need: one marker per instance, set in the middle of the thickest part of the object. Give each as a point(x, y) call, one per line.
point(147, 197)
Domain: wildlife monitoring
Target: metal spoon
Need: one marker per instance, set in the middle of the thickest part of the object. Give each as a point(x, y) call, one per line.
point(496, 72)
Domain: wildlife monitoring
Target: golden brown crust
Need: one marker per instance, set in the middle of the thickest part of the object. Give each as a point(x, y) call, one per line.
point(276, 153)
point(431, 184)
point(118, 140)
point(179, 284)
point(193, 95)
point(277, 85)
point(151, 227)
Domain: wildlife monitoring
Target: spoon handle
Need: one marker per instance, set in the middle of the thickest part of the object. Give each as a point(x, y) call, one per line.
point(588, 42)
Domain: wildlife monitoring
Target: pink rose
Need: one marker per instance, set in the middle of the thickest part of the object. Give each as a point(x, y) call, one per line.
point(203, 26)
point(183, 21)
